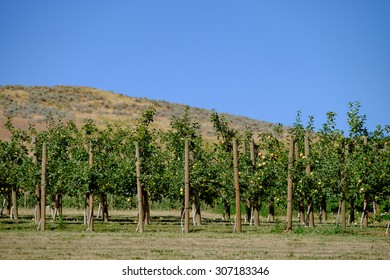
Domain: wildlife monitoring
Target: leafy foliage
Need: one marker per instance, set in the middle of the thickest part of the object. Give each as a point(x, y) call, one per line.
point(357, 165)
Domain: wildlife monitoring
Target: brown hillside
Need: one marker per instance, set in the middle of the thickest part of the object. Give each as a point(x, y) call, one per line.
point(34, 104)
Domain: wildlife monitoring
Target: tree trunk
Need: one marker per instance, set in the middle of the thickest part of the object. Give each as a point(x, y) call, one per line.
point(342, 212)
point(227, 210)
point(60, 207)
point(6, 209)
point(146, 208)
point(351, 219)
point(105, 216)
point(54, 209)
point(364, 221)
point(196, 211)
point(86, 208)
point(376, 208)
point(310, 213)
point(57, 205)
point(112, 202)
point(196, 214)
point(99, 210)
point(271, 211)
point(25, 196)
point(301, 211)
point(248, 211)
point(15, 204)
point(323, 210)
point(256, 211)
point(2, 207)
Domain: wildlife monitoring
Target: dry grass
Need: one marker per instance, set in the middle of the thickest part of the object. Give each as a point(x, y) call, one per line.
point(163, 239)
point(33, 104)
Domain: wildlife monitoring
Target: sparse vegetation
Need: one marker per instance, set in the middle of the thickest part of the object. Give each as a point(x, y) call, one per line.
point(35, 103)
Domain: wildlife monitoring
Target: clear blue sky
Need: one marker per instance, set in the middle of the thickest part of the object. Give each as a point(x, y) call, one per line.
point(261, 59)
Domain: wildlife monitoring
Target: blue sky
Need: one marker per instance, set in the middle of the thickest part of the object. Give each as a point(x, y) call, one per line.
point(261, 59)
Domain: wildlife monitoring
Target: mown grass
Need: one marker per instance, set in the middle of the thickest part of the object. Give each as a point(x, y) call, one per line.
point(67, 238)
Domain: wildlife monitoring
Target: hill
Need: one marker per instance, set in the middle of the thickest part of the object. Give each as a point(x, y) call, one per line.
point(34, 104)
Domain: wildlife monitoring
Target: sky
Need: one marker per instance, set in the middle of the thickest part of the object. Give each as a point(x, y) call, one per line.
point(256, 58)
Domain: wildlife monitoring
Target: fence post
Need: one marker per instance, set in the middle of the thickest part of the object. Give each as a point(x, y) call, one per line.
point(290, 184)
point(237, 187)
point(37, 188)
point(310, 211)
point(187, 188)
point(90, 217)
point(141, 214)
point(42, 223)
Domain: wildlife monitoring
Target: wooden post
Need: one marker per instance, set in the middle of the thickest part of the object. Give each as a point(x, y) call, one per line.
point(141, 214)
point(256, 214)
point(237, 187)
point(310, 211)
point(187, 188)
point(301, 203)
point(343, 189)
point(37, 188)
point(90, 217)
point(290, 185)
point(42, 223)
point(364, 220)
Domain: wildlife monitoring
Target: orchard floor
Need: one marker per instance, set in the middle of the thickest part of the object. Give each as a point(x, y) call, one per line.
point(67, 239)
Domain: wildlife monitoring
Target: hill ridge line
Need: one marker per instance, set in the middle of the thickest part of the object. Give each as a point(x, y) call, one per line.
point(33, 104)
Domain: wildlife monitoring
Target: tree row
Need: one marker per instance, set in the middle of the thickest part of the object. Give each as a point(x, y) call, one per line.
point(310, 170)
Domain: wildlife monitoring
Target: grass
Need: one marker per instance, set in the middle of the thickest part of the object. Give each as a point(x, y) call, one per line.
point(67, 239)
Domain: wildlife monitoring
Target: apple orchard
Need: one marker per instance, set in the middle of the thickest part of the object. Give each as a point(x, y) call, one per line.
point(299, 173)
